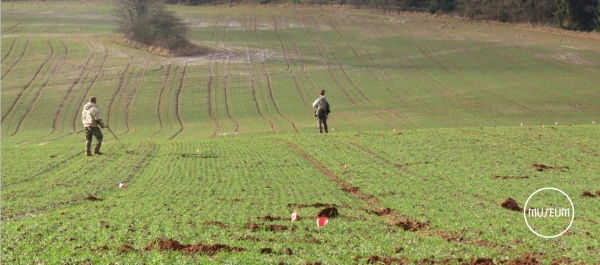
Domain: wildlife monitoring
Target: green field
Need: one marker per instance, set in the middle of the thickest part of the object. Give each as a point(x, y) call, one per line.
point(434, 124)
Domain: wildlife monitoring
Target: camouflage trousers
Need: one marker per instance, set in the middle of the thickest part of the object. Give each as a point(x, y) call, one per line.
point(322, 121)
point(93, 131)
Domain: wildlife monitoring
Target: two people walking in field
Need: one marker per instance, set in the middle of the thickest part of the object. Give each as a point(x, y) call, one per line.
point(90, 116)
point(322, 111)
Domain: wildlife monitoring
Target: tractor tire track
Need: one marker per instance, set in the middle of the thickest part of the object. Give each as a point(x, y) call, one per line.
point(65, 161)
point(160, 96)
point(398, 116)
point(393, 218)
point(59, 113)
point(35, 75)
point(211, 100)
point(177, 106)
point(138, 167)
point(227, 72)
point(41, 89)
point(26, 25)
point(253, 81)
point(272, 97)
point(12, 44)
point(287, 61)
point(131, 97)
point(346, 92)
point(18, 59)
point(119, 88)
point(299, 56)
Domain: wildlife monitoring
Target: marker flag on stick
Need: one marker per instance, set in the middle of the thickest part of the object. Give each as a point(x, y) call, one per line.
point(294, 216)
point(121, 186)
point(321, 222)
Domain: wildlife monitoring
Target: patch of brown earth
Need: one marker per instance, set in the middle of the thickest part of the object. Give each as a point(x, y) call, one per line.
point(511, 177)
point(510, 204)
point(542, 167)
point(276, 228)
point(252, 227)
point(587, 193)
point(351, 189)
point(374, 259)
point(174, 245)
point(219, 224)
point(125, 248)
point(482, 261)
point(266, 251)
point(314, 263)
point(412, 225)
point(287, 251)
point(450, 236)
point(527, 259)
point(383, 212)
point(331, 212)
point(105, 247)
point(315, 205)
point(270, 218)
point(92, 198)
point(598, 193)
point(561, 260)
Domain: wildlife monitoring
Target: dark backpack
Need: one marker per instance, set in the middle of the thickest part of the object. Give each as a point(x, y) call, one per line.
point(323, 107)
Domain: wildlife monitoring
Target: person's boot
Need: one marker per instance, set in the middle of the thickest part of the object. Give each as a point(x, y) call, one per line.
point(97, 151)
point(88, 153)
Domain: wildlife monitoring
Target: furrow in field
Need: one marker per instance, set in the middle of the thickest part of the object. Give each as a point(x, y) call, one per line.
point(268, 79)
point(253, 80)
point(177, 100)
point(18, 59)
point(393, 218)
point(226, 88)
point(43, 86)
point(35, 75)
point(512, 76)
point(285, 54)
point(68, 95)
point(66, 161)
point(291, 69)
point(120, 86)
point(338, 81)
point(160, 107)
point(131, 97)
point(211, 101)
point(372, 74)
point(296, 48)
point(26, 25)
point(12, 44)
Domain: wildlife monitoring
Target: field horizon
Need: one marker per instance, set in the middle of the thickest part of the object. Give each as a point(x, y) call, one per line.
point(441, 132)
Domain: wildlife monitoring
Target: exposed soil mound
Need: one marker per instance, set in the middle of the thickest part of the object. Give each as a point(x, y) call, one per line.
point(511, 204)
point(598, 192)
point(92, 198)
point(174, 245)
point(374, 259)
point(276, 228)
point(315, 205)
point(482, 261)
point(330, 212)
point(542, 167)
point(351, 190)
point(270, 218)
point(125, 248)
point(412, 226)
point(526, 260)
point(383, 212)
point(266, 251)
point(252, 227)
point(219, 224)
point(561, 260)
point(587, 193)
point(287, 251)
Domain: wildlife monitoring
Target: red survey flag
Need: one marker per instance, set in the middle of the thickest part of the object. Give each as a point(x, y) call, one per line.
point(121, 185)
point(321, 222)
point(294, 216)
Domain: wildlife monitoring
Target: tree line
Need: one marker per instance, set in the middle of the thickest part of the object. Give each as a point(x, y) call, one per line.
point(580, 15)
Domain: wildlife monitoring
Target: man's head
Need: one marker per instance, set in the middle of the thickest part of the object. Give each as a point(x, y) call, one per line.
point(322, 92)
point(93, 100)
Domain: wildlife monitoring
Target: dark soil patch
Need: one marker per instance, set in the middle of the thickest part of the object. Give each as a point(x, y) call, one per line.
point(313, 263)
point(510, 204)
point(511, 177)
point(383, 212)
point(526, 260)
point(598, 193)
point(249, 238)
point(105, 247)
point(351, 189)
point(252, 227)
point(587, 193)
point(270, 218)
point(92, 198)
point(276, 228)
point(219, 224)
point(174, 245)
point(330, 212)
point(125, 248)
point(287, 251)
point(561, 260)
point(315, 205)
point(412, 225)
point(482, 261)
point(266, 251)
point(450, 236)
point(374, 259)
point(542, 167)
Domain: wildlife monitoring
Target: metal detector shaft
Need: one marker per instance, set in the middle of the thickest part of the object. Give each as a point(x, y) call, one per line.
point(116, 137)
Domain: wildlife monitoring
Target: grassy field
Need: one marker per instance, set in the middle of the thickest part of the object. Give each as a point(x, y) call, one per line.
point(434, 124)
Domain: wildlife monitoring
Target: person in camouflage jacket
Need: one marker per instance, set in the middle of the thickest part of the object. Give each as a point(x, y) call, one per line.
point(90, 116)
